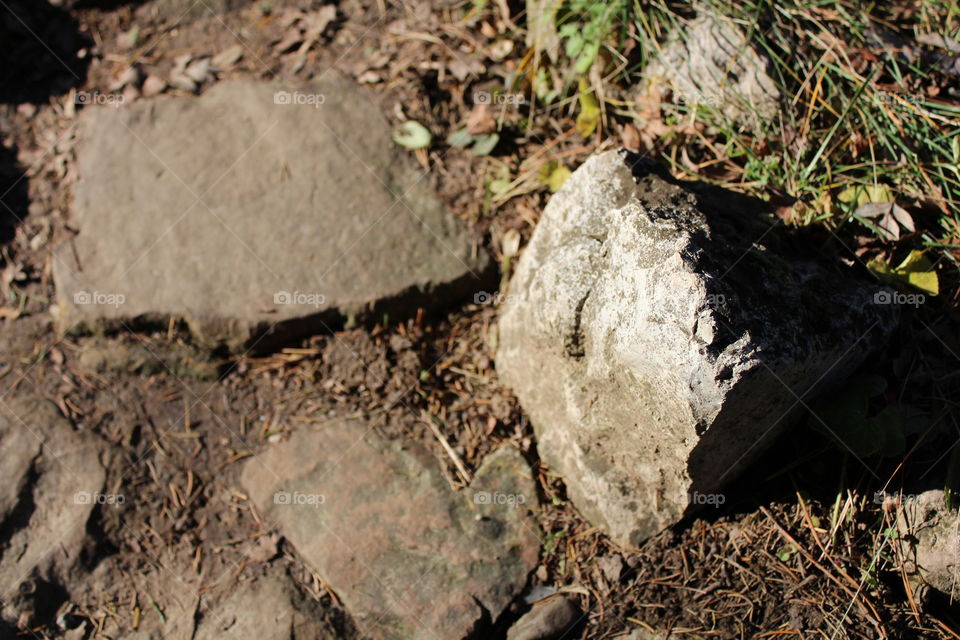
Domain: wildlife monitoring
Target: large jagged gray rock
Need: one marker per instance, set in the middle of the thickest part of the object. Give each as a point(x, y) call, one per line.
point(711, 61)
point(657, 346)
point(52, 478)
point(254, 209)
point(409, 558)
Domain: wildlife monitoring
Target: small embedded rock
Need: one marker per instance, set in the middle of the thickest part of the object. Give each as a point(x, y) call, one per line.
point(550, 619)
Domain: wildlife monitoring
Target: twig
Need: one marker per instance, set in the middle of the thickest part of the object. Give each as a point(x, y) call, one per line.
point(462, 470)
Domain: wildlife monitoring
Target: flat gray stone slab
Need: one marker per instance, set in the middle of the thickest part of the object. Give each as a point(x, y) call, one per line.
point(410, 558)
point(254, 208)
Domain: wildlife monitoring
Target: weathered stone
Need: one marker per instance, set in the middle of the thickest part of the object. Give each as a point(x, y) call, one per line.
point(550, 619)
point(410, 558)
point(256, 212)
point(929, 541)
point(712, 62)
point(658, 346)
point(52, 477)
point(264, 610)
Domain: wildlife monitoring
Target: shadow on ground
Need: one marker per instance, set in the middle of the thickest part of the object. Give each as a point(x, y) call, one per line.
point(41, 52)
point(13, 194)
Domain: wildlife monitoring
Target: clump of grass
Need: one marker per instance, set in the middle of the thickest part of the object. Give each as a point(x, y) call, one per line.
point(863, 102)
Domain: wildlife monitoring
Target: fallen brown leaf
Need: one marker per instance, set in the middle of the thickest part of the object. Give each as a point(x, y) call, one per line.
point(480, 122)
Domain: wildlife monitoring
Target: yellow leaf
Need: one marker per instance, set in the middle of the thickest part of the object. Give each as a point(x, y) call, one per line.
point(878, 193)
point(926, 281)
point(880, 268)
point(557, 178)
point(859, 194)
point(850, 194)
point(553, 174)
point(823, 203)
point(916, 270)
point(589, 116)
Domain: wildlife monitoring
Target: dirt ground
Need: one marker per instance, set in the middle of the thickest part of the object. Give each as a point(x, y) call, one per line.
point(797, 550)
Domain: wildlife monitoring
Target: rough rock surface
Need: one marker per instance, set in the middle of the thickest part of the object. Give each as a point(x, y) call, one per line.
point(410, 558)
point(657, 345)
point(264, 610)
point(254, 208)
point(712, 62)
point(550, 619)
point(51, 477)
point(930, 541)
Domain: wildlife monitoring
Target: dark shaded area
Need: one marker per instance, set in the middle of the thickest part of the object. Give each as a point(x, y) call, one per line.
point(45, 598)
point(39, 52)
point(7, 631)
point(19, 517)
point(14, 198)
point(936, 603)
point(810, 459)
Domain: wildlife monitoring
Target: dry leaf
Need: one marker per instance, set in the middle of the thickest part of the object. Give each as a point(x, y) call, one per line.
point(939, 41)
point(510, 243)
point(198, 70)
point(369, 77)
point(292, 38)
point(129, 76)
point(480, 121)
point(290, 18)
point(314, 23)
point(500, 49)
point(180, 80)
point(630, 137)
point(889, 217)
point(462, 66)
point(227, 58)
point(153, 85)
